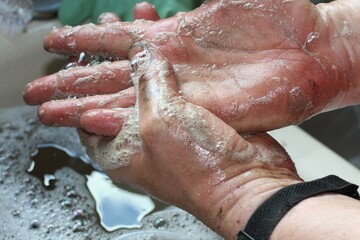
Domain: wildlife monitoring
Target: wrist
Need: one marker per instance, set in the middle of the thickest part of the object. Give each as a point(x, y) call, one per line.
point(318, 214)
point(342, 19)
point(231, 203)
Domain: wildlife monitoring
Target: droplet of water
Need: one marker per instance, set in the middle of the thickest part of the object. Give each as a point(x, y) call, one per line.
point(65, 203)
point(70, 65)
point(35, 224)
point(26, 180)
point(160, 223)
point(34, 202)
point(69, 39)
point(79, 214)
point(72, 194)
point(50, 228)
point(16, 213)
point(220, 146)
point(30, 193)
point(82, 59)
point(78, 228)
point(312, 36)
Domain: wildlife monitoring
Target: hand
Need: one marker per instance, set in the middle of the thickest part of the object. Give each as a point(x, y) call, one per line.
point(167, 142)
point(256, 65)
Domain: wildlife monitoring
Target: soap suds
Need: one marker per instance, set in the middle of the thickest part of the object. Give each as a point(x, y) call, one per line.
point(116, 153)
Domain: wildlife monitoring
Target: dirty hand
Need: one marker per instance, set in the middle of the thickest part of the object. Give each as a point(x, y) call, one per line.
point(257, 65)
point(220, 176)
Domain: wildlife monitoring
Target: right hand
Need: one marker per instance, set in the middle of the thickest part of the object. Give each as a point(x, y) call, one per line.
point(258, 65)
point(184, 155)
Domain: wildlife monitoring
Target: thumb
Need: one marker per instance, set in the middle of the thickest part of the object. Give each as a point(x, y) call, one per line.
point(155, 81)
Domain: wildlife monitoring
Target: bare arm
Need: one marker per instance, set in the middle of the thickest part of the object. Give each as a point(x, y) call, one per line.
point(329, 216)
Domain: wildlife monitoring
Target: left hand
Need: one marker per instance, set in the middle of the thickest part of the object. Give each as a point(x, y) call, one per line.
point(186, 156)
point(258, 65)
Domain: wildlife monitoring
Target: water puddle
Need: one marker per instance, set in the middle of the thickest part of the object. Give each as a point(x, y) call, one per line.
point(117, 208)
point(113, 202)
point(48, 158)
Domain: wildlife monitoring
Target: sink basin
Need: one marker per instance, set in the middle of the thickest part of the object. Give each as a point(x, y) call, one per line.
point(23, 59)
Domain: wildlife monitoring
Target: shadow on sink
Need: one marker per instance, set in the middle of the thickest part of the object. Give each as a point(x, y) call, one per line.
point(339, 130)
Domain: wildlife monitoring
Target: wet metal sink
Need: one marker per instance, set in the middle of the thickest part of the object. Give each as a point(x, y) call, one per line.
point(41, 203)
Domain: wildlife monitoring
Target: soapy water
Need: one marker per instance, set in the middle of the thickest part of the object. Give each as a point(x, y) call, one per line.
point(48, 158)
point(117, 208)
point(85, 59)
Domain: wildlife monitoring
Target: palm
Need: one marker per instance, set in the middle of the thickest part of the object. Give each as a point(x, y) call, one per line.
point(263, 61)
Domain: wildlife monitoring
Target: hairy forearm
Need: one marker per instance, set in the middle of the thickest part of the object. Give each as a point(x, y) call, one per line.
point(342, 18)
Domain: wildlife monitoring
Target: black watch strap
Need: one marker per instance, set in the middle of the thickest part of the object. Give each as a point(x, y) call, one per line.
point(267, 216)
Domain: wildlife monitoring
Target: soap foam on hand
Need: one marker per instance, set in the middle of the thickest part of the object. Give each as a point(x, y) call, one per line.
point(116, 153)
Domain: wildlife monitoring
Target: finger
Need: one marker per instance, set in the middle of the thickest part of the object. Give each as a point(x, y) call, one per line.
point(108, 18)
point(157, 83)
point(105, 122)
point(105, 78)
point(68, 112)
point(146, 11)
point(112, 39)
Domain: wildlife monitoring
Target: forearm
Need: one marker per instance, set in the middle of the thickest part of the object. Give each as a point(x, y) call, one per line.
point(236, 216)
point(328, 216)
point(230, 205)
point(342, 18)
